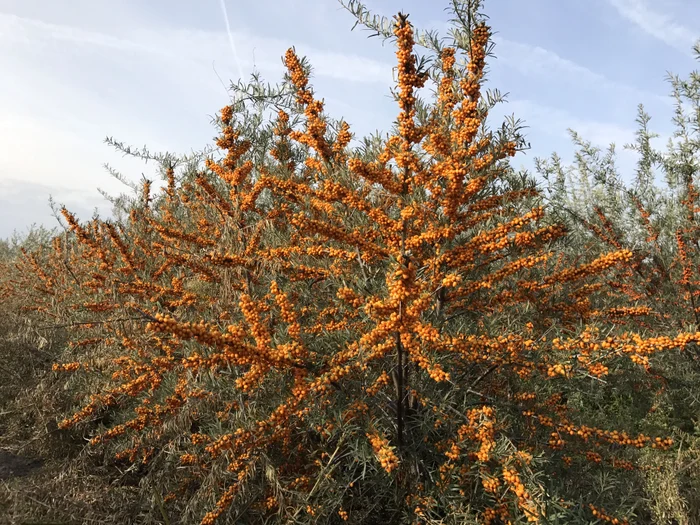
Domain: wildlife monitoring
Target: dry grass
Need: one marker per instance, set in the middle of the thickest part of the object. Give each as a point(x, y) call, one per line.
point(48, 475)
point(673, 484)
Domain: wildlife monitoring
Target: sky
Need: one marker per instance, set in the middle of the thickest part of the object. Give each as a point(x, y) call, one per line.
point(154, 72)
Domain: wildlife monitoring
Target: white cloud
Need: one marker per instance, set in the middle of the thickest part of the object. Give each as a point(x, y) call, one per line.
point(37, 152)
point(198, 46)
point(31, 31)
point(23, 203)
point(539, 62)
point(143, 81)
point(656, 23)
point(72, 86)
point(556, 122)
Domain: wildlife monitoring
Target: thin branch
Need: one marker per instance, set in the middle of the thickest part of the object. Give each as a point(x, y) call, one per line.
point(68, 325)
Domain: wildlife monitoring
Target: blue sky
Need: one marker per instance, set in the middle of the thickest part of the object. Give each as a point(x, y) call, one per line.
point(150, 72)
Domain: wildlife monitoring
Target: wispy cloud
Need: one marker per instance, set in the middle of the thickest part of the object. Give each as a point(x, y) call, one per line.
point(145, 84)
point(538, 62)
point(23, 203)
point(150, 75)
point(547, 65)
point(656, 23)
point(31, 31)
point(556, 121)
point(199, 46)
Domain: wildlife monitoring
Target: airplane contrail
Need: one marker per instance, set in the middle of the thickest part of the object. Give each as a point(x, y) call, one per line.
point(230, 39)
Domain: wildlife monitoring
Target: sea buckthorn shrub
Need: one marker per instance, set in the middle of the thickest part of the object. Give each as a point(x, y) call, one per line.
point(51, 477)
point(654, 215)
point(306, 331)
point(24, 350)
point(28, 349)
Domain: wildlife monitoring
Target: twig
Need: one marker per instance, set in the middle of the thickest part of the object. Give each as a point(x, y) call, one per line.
point(39, 502)
point(145, 314)
point(56, 326)
point(678, 471)
point(362, 266)
point(484, 375)
point(159, 500)
point(596, 378)
point(70, 271)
